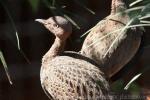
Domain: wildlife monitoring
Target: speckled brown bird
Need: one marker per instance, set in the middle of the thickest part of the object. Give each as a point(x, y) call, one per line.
point(112, 51)
point(69, 76)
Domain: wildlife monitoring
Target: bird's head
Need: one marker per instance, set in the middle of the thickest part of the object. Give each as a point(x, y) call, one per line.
point(58, 25)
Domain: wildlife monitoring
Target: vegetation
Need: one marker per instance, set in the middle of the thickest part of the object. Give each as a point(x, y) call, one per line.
point(139, 11)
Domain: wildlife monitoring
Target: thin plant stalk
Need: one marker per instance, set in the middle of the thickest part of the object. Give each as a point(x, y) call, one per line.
point(13, 25)
point(121, 33)
point(126, 11)
point(135, 2)
point(130, 26)
point(5, 67)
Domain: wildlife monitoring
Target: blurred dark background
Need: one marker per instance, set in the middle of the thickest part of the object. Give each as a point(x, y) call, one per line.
point(35, 40)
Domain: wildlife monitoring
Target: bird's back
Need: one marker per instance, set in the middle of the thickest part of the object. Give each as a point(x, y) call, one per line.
point(111, 50)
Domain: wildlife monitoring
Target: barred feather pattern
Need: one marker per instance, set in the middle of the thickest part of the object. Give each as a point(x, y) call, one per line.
point(68, 78)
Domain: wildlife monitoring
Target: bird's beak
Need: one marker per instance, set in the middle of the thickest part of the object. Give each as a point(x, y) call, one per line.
point(42, 21)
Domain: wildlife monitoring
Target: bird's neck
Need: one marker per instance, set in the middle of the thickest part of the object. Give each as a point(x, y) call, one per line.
point(56, 49)
point(118, 6)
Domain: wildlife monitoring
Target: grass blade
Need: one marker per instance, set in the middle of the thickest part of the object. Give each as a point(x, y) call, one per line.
point(16, 32)
point(34, 4)
point(99, 23)
point(91, 11)
point(73, 22)
point(144, 17)
point(86, 33)
point(18, 41)
point(134, 9)
point(144, 21)
point(135, 2)
point(53, 2)
point(138, 25)
point(145, 10)
point(13, 25)
point(123, 30)
point(132, 80)
point(84, 6)
point(126, 11)
point(127, 27)
point(102, 38)
point(5, 67)
point(55, 9)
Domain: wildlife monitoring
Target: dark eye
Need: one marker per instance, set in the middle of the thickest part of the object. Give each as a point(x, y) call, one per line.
point(55, 25)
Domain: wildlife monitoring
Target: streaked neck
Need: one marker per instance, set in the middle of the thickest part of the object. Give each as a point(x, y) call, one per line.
point(55, 50)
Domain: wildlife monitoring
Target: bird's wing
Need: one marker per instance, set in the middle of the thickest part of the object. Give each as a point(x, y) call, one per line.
point(72, 78)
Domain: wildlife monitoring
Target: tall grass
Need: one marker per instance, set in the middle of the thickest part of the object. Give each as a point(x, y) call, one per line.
point(58, 9)
point(139, 10)
point(5, 66)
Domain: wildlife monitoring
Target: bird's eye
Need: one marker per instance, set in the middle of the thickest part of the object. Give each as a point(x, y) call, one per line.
point(55, 25)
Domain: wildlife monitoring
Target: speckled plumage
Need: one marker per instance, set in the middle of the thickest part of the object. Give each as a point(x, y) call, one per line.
point(70, 76)
point(122, 50)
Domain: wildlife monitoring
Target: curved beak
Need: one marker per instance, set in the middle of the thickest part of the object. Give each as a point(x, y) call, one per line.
point(42, 21)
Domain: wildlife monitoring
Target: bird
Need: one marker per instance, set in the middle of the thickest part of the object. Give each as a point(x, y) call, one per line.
point(112, 51)
point(69, 75)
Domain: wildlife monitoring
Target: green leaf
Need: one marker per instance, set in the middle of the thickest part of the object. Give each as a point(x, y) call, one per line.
point(135, 21)
point(144, 2)
point(134, 89)
point(5, 67)
point(118, 85)
point(34, 4)
point(145, 10)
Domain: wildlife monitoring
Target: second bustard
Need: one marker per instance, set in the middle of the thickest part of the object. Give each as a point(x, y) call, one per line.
point(113, 50)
